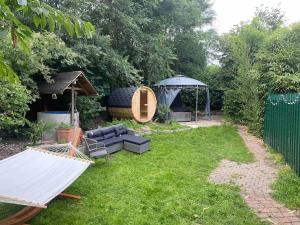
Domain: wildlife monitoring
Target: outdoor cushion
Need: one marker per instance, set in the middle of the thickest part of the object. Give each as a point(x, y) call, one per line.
point(134, 139)
point(110, 135)
point(118, 129)
point(94, 134)
point(99, 138)
point(108, 130)
point(121, 132)
point(112, 141)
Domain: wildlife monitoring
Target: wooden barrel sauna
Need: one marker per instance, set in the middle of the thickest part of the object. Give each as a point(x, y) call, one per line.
point(132, 103)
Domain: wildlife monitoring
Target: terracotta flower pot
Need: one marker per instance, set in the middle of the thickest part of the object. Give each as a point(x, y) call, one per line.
point(64, 135)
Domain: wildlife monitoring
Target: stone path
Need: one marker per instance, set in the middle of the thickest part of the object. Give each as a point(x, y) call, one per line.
point(254, 180)
point(216, 120)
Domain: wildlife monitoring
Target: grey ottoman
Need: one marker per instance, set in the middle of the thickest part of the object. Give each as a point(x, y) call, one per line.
point(135, 144)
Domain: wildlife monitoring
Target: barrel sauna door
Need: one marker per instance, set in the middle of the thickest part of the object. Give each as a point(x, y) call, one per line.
point(144, 104)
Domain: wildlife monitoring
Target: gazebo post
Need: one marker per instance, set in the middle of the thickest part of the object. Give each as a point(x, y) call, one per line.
point(196, 118)
point(207, 107)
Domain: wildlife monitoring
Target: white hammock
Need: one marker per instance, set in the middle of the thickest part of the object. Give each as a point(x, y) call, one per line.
point(35, 176)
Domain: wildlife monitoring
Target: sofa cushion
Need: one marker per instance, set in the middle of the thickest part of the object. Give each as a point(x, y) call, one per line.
point(110, 135)
point(99, 138)
point(108, 130)
point(112, 141)
point(134, 139)
point(123, 131)
point(94, 133)
point(118, 128)
point(120, 131)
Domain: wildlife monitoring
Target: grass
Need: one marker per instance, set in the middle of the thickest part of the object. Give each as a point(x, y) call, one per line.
point(167, 185)
point(154, 126)
point(287, 188)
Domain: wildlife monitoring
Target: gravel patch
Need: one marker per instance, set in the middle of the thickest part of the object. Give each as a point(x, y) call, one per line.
point(9, 148)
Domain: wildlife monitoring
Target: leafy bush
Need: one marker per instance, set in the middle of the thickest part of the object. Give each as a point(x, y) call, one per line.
point(89, 108)
point(162, 113)
point(14, 100)
point(38, 129)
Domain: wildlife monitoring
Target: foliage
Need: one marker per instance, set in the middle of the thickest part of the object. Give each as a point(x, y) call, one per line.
point(162, 113)
point(42, 16)
point(151, 126)
point(287, 188)
point(48, 54)
point(105, 66)
point(152, 37)
point(37, 130)
point(132, 124)
point(152, 188)
point(259, 57)
point(65, 126)
point(214, 77)
point(88, 107)
point(136, 41)
point(14, 100)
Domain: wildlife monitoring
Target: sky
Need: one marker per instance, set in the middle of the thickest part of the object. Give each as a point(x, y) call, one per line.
point(232, 12)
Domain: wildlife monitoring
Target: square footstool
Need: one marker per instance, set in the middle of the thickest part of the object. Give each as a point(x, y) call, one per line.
point(135, 144)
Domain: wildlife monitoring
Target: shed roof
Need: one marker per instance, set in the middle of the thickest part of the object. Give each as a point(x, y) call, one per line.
point(121, 97)
point(180, 81)
point(63, 80)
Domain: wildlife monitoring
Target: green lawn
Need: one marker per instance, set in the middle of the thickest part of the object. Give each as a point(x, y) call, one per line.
point(167, 185)
point(154, 126)
point(287, 188)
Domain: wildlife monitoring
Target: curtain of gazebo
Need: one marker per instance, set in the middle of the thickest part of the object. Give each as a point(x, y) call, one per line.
point(166, 96)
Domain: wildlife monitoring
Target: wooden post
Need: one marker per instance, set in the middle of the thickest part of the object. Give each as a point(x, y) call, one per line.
point(72, 105)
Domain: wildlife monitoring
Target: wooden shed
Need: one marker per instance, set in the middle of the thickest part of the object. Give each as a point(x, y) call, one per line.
point(133, 102)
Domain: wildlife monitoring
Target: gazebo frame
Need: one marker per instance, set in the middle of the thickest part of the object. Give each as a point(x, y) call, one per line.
point(197, 86)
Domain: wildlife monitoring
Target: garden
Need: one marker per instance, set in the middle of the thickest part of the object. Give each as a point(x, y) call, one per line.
point(152, 77)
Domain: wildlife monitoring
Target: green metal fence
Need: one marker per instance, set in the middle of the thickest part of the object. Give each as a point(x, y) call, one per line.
point(282, 126)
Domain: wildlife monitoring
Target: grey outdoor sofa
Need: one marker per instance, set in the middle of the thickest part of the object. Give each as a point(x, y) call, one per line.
point(107, 140)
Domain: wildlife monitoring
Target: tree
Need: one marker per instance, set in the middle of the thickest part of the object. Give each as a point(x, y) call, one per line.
point(42, 16)
point(262, 57)
point(150, 35)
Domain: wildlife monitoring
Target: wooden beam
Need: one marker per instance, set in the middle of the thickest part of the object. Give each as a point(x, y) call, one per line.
point(29, 212)
point(83, 89)
point(69, 196)
point(76, 89)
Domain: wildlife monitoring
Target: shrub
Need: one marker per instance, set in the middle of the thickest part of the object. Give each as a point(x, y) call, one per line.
point(14, 100)
point(162, 113)
point(89, 108)
point(38, 129)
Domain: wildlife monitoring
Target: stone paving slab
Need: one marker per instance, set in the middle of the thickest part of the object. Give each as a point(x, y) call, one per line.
point(216, 120)
point(255, 180)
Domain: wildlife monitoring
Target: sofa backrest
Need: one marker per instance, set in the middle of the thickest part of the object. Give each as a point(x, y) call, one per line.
point(107, 132)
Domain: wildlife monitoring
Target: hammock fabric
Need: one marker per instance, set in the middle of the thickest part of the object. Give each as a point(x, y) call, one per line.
point(34, 177)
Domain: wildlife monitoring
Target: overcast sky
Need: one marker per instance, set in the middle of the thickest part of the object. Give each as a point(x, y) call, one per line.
point(231, 12)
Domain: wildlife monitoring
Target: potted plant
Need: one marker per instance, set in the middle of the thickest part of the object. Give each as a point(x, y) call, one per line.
point(64, 133)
